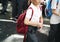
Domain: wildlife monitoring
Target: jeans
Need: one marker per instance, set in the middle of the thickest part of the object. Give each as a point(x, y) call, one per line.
point(31, 35)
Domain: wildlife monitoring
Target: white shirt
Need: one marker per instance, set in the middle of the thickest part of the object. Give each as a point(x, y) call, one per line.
point(54, 18)
point(37, 13)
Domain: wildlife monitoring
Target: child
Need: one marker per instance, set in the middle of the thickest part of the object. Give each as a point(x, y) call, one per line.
point(34, 23)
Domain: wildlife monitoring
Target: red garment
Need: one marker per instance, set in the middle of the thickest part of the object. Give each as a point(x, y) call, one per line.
point(21, 27)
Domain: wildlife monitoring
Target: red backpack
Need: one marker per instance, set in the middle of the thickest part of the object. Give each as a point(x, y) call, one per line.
point(21, 27)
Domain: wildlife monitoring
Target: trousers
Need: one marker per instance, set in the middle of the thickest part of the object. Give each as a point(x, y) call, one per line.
point(31, 34)
point(53, 33)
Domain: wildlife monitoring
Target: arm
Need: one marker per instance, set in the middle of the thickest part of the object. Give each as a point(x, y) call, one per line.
point(27, 22)
point(53, 6)
point(54, 12)
point(28, 16)
point(41, 18)
point(41, 22)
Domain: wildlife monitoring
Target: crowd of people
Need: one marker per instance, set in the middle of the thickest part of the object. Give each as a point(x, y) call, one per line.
point(19, 6)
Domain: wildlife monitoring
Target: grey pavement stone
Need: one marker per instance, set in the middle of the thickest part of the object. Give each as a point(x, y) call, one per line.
point(9, 28)
point(14, 38)
point(6, 29)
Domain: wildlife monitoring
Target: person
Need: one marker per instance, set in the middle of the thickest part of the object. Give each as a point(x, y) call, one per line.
point(4, 5)
point(21, 6)
point(17, 7)
point(36, 21)
point(14, 9)
point(54, 21)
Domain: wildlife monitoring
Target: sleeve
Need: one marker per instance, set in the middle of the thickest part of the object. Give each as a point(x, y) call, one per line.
point(53, 4)
point(28, 13)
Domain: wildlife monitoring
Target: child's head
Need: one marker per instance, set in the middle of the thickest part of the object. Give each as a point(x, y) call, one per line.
point(35, 2)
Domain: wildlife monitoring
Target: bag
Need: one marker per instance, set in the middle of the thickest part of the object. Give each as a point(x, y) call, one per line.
point(48, 10)
point(21, 27)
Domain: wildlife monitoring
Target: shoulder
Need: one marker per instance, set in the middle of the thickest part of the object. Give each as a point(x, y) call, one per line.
point(54, 2)
point(30, 8)
point(29, 11)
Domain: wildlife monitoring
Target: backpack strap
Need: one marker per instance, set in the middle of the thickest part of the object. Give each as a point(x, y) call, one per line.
point(57, 3)
point(29, 20)
point(32, 13)
point(41, 7)
point(50, 1)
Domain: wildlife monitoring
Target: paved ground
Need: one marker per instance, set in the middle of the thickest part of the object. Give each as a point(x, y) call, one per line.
point(8, 29)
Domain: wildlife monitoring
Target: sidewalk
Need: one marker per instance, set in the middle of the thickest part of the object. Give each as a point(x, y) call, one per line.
point(8, 28)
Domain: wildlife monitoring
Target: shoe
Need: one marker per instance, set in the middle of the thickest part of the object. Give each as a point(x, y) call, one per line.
point(14, 19)
point(11, 18)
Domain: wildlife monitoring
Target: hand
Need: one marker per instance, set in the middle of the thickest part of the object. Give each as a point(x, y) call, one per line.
point(40, 25)
point(59, 14)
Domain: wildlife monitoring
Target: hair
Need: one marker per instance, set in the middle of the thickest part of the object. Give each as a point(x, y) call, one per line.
point(29, 2)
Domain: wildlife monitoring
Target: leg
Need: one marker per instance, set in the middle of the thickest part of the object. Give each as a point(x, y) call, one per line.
point(31, 35)
point(25, 4)
point(22, 5)
point(19, 7)
point(52, 32)
point(14, 8)
point(58, 34)
point(4, 4)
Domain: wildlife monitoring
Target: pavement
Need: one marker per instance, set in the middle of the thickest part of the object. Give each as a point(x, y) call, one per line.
point(8, 28)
